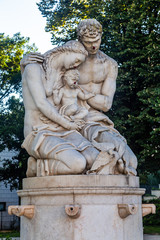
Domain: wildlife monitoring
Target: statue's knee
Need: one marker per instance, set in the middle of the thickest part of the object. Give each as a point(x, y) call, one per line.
point(78, 163)
point(90, 155)
point(74, 107)
point(71, 110)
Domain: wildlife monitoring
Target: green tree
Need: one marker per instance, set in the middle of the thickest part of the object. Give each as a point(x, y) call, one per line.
point(11, 107)
point(11, 138)
point(11, 52)
point(130, 36)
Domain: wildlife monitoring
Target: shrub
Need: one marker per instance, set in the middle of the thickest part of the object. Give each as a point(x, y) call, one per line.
point(153, 219)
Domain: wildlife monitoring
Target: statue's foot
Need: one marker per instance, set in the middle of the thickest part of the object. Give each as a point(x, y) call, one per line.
point(130, 171)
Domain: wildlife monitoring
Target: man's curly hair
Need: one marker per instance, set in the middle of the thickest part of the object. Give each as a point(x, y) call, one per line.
point(89, 28)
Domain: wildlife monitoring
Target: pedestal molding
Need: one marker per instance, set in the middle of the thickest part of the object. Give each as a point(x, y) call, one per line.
point(64, 191)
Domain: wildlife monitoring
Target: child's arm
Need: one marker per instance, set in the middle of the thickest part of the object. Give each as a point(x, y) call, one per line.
point(84, 95)
point(57, 96)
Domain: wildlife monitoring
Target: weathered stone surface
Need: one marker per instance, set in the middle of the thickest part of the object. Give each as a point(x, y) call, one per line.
point(80, 168)
point(99, 218)
point(65, 91)
point(81, 181)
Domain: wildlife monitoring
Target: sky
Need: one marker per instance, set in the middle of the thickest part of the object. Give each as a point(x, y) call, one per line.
point(23, 16)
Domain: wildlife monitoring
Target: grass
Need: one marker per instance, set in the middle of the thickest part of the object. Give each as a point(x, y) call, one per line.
point(147, 230)
point(152, 229)
point(5, 234)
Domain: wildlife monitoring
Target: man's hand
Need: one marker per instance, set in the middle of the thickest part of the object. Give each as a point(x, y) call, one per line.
point(31, 58)
point(90, 95)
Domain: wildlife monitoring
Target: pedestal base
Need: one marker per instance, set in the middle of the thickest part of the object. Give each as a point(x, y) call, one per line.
point(95, 198)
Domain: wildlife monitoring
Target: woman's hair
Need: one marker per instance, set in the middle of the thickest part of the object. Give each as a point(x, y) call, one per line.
point(50, 59)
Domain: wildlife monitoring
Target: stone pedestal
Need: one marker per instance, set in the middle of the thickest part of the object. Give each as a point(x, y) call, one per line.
point(81, 207)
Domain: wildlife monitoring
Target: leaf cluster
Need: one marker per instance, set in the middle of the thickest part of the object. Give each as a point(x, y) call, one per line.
point(11, 107)
point(11, 138)
point(11, 52)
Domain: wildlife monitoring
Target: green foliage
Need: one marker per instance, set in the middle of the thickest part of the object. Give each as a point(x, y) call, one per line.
point(130, 36)
point(8, 235)
point(153, 219)
point(11, 138)
point(11, 107)
point(8, 238)
point(150, 179)
point(11, 52)
point(63, 16)
point(152, 230)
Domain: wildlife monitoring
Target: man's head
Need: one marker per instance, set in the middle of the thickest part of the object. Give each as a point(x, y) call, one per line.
point(71, 78)
point(89, 33)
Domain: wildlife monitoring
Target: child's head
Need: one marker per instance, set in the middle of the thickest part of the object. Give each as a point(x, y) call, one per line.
point(71, 78)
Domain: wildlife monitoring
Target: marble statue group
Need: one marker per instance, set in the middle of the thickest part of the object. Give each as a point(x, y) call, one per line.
point(66, 92)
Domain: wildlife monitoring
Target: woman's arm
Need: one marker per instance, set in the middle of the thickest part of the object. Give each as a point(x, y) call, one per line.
point(33, 75)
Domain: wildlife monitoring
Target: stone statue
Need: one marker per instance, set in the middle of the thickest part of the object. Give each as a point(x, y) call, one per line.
point(68, 95)
point(65, 91)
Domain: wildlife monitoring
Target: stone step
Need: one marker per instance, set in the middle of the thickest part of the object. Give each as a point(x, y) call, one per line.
point(146, 237)
point(151, 237)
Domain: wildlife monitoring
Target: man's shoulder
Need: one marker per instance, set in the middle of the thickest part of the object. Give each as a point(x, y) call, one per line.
point(105, 58)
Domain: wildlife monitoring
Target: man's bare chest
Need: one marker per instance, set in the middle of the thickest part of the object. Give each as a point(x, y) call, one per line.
point(90, 71)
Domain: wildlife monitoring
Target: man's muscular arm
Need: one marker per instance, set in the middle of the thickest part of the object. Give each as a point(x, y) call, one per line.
point(104, 100)
point(32, 74)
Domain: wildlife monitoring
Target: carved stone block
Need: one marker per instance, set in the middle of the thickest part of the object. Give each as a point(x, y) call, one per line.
point(26, 211)
point(125, 210)
point(148, 209)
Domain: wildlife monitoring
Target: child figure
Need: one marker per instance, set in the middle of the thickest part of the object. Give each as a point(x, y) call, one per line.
point(68, 94)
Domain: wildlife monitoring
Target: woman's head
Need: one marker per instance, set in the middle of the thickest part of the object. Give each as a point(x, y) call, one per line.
point(72, 54)
point(65, 57)
point(75, 54)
